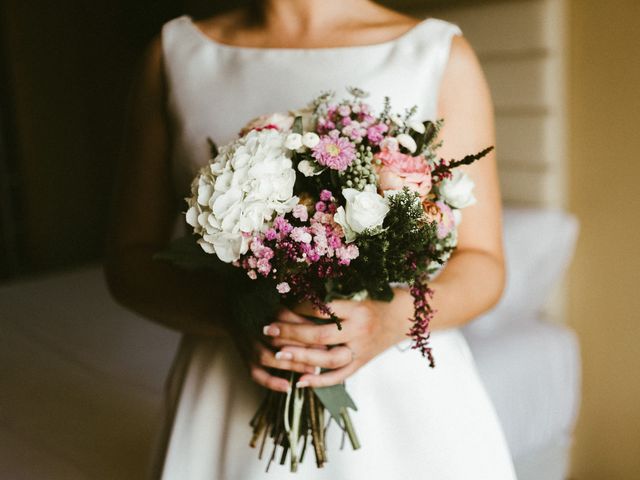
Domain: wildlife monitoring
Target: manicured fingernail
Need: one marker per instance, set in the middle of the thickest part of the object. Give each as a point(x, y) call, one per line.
point(302, 384)
point(317, 370)
point(271, 330)
point(284, 356)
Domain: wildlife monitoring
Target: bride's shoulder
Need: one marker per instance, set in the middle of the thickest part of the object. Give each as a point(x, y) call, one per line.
point(462, 58)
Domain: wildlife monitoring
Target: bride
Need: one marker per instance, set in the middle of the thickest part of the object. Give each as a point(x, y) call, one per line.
point(207, 79)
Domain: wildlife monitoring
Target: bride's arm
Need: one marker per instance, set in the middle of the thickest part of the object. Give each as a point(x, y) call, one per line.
point(144, 215)
point(473, 280)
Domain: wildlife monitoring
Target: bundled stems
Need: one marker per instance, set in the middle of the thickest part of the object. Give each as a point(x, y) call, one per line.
point(289, 419)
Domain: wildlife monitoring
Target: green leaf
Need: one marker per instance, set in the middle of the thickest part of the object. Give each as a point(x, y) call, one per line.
point(186, 253)
point(334, 398)
point(253, 302)
point(297, 125)
point(384, 293)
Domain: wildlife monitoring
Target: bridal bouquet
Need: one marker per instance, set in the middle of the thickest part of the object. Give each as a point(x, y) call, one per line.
point(331, 201)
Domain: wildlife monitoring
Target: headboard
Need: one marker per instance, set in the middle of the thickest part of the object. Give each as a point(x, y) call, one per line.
point(521, 45)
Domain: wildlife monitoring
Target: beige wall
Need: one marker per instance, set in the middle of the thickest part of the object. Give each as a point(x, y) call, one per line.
point(604, 102)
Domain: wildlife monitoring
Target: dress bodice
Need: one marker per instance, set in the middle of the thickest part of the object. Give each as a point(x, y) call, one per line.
point(215, 89)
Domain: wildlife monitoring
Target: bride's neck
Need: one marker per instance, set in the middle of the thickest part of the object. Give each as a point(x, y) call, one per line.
point(296, 17)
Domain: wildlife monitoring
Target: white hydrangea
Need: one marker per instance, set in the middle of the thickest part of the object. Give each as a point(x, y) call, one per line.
point(240, 192)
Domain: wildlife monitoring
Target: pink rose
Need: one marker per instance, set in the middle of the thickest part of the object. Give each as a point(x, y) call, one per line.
point(399, 170)
point(441, 213)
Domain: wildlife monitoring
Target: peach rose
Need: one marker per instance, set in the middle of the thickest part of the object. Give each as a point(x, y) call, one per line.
point(399, 170)
point(441, 213)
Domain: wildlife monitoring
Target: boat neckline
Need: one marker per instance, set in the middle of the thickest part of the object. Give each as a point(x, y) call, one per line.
point(387, 43)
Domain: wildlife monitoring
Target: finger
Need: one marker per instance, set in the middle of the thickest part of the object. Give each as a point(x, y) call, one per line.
point(280, 342)
point(289, 316)
point(267, 358)
point(307, 309)
point(333, 358)
point(308, 334)
point(329, 378)
point(264, 378)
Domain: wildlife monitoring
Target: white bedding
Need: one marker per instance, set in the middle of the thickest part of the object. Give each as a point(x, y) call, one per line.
point(531, 370)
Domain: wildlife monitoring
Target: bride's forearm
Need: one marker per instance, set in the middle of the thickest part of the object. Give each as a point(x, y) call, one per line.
point(471, 284)
point(190, 302)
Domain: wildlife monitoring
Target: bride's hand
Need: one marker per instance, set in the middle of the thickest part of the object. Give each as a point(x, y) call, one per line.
point(262, 357)
point(368, 328)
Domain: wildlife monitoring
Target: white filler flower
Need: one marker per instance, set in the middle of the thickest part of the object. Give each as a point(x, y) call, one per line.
point(363, 210)
point(407, 142)
point(240, 192)
point(416, 126)
point(458, 190)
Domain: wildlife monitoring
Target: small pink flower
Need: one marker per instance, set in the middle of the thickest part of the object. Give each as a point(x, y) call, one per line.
point(313, 255)
point(344, 110)
point(334, 151)
point(399, 170)
point(252, 274)
point(320, 206)
point(283, 287)
point(266, 252)
point(301, 235)
point(375, 133)
point(282, 225)
point(325, 195)
point(264, 266)
point(346, 254)
point(271, 234)
point(300, 212)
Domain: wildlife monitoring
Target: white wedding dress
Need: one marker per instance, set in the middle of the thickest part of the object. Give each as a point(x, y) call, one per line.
point(414, 422)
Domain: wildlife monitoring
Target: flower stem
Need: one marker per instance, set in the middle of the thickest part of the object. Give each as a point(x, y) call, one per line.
point(348, 426)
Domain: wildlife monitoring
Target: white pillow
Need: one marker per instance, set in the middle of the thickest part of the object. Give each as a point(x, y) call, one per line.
point(539, 245)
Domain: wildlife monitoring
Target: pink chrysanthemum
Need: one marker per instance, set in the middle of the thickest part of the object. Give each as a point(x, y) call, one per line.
point(334, 151)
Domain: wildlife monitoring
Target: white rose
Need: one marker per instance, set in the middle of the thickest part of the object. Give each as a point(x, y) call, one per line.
point(340, 217)
point(293, 141)
point(407, 142)
point(416, 126)
point(364, 210)
point(458, 190)
point(310, 139)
